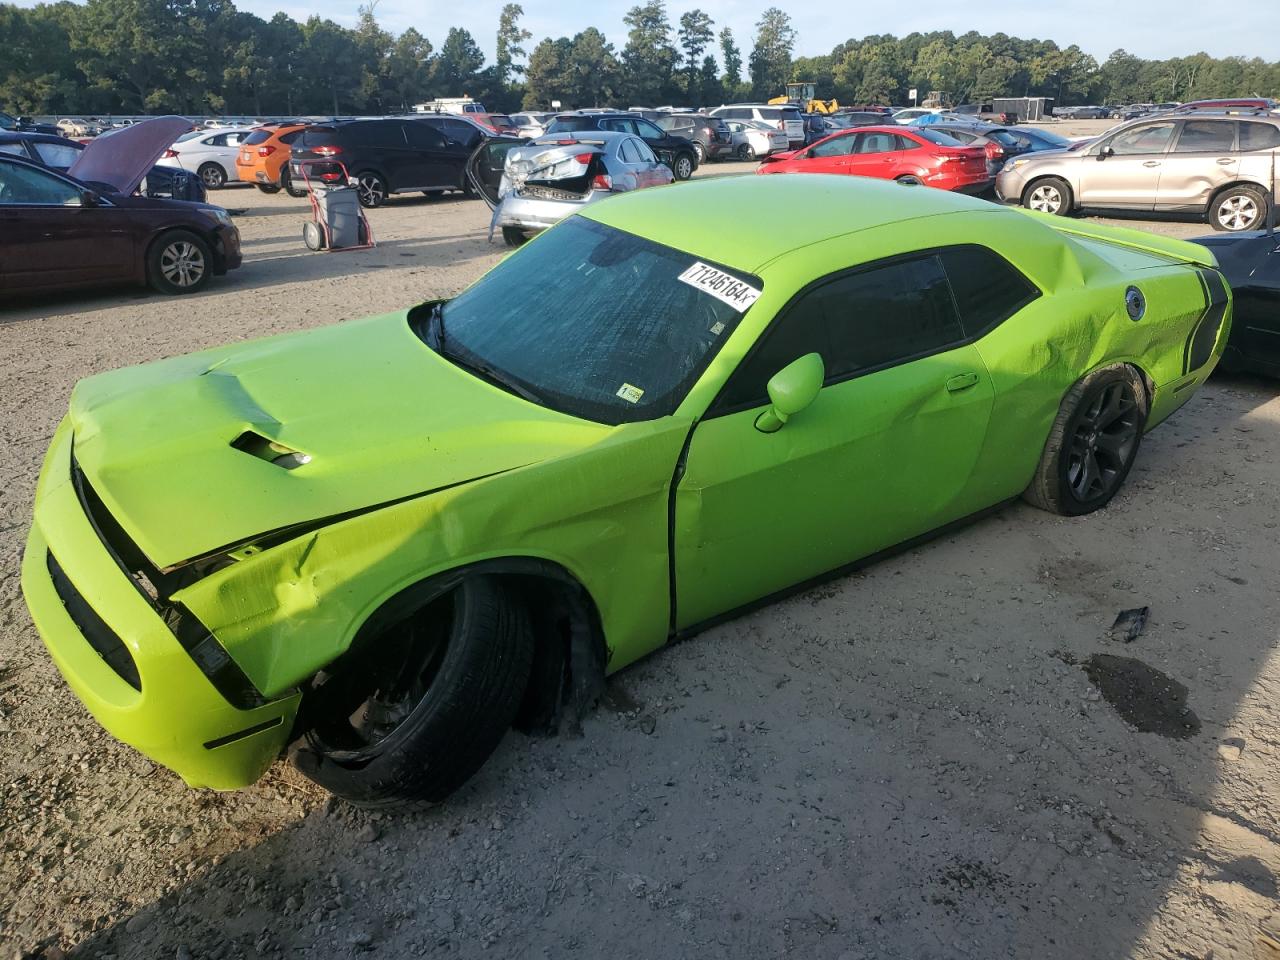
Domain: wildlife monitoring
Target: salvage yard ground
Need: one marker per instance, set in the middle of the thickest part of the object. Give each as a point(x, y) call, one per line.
point(937, 757)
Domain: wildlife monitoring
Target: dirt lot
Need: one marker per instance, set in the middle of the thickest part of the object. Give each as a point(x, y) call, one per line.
point(941, 756)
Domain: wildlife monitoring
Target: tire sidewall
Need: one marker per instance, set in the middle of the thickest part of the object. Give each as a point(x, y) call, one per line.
point(1064, 194)
point(218, 174)
point(685, 161)
point(156, 277)
point(1070, 505)
point(375, 201)
point(1258, 197)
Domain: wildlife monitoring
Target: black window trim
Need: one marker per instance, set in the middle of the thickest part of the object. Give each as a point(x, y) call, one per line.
point(714, 411)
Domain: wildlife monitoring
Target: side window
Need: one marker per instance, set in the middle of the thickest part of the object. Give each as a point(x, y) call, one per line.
point(1152, 138)
point(647, 129)
point(987, 288)
point(877, 142)
point(835, 147)
point(1206, 136)
point(616, 124)
point(770, 116)
point(627, 151)
point(14, 148)
point(290, 137)
point(219, 140)
point(20, 184)
point(378, 133)
point(1258, 136)
point(906, 143)
point(463, 132)
point(55, 154)
point(857, 323)
point(423, 136)
point(642, 149)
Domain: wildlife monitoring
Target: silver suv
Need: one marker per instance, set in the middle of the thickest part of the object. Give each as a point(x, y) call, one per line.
point(1220, 167)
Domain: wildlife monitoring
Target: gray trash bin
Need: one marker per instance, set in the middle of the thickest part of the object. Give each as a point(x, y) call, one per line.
point(340, 211)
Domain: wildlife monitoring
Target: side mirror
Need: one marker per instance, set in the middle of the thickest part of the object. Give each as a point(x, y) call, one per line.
point(792, 389)
point(1105, 152)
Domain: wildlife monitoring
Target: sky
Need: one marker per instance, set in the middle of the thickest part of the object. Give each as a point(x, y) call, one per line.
point(1154, 29)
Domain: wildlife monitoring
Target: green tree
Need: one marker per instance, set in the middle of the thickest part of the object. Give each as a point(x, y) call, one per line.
point(545, 75)
point(648, 59)
point(695, 36)
point(591, 71)
point(458, 66)
point(770, 60)
point(710, 89)
point(511, 36)
point(732, 58)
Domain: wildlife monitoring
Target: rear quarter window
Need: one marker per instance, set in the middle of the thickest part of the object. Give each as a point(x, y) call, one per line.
point(1259, 136)
point(290, 137)
point(987, 288)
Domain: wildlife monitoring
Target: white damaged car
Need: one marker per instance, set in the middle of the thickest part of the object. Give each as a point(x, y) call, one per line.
point(532, 185)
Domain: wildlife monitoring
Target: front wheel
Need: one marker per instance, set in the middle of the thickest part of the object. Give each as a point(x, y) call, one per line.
point(416, 709)
point(1050, 195)
point(179, 262)
point(372, 189)
point(212, 175)
point(683, 166)
point(514, 237)
point(1092, 444)
point(1238, 208)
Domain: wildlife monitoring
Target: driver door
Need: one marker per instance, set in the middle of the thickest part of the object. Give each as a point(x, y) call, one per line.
point(885, 453)
point(48, 237)
point(1125, 170)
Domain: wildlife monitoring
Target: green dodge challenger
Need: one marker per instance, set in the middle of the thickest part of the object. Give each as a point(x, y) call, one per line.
point(387, 541)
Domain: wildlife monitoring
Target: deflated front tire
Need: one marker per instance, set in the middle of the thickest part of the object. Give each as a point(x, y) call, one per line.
point(417, 708)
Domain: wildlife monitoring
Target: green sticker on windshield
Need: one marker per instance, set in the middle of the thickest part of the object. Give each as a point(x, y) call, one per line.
point(629, 393)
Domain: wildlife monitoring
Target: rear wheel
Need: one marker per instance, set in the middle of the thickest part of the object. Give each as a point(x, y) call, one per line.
point(418, 708)
point(909, 179)
point(700, 151)
point(514, 236)
point(1238, 208)
point(179, 262)
point(212, 175)
point(373, 189)
point(286, 181)
point(267, 187)
point(746, 152)
point(1092, 444)
point(1050, 195)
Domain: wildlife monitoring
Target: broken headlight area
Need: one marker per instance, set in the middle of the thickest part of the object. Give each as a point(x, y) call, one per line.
point(158, 586)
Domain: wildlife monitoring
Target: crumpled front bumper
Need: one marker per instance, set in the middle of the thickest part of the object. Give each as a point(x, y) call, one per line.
point(175, 716)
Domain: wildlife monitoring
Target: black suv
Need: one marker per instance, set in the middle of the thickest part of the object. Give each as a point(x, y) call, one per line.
point(678, 153)
point(12, 124)
point(402, 155)
point(710, 135)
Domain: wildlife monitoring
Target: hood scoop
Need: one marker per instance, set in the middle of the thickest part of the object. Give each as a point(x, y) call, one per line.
point(272, 451)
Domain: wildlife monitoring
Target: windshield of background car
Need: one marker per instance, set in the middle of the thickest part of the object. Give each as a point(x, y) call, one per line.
point(933, 136)
point(1047, 136)
point(598, 323)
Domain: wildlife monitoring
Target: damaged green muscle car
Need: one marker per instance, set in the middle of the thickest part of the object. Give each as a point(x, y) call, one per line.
point(386, 541)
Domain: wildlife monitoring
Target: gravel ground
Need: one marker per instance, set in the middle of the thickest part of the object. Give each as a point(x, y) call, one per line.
point(940, 756)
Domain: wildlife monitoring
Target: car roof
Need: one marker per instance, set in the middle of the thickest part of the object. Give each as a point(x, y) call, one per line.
point(691, 217)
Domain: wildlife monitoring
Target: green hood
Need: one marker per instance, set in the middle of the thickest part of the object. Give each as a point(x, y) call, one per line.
point(381, 416)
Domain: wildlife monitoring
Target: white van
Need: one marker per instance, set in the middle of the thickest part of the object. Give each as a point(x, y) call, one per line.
point(786, 118)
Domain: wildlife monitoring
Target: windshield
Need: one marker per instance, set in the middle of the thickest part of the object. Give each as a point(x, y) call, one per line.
point(7, 122)
point(595, 322)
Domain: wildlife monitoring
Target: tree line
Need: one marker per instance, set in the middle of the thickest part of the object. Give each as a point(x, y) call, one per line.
point(207, 57)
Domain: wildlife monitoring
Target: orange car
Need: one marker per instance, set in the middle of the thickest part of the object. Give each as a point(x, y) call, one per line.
point(263, 159)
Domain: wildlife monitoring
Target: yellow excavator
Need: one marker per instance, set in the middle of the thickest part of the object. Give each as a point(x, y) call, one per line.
point(803, 95)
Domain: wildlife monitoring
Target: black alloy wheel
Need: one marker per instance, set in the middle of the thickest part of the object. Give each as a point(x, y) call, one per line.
point(1106, 431)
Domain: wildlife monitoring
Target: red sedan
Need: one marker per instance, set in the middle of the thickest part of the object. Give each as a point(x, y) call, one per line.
point(891, 153)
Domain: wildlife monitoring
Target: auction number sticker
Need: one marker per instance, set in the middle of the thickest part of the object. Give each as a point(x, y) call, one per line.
point(723, 286)
point(629, 393)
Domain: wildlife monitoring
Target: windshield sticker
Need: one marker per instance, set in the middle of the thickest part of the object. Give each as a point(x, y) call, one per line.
point(717, 328)
point(629, 393)
point(725, 288)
